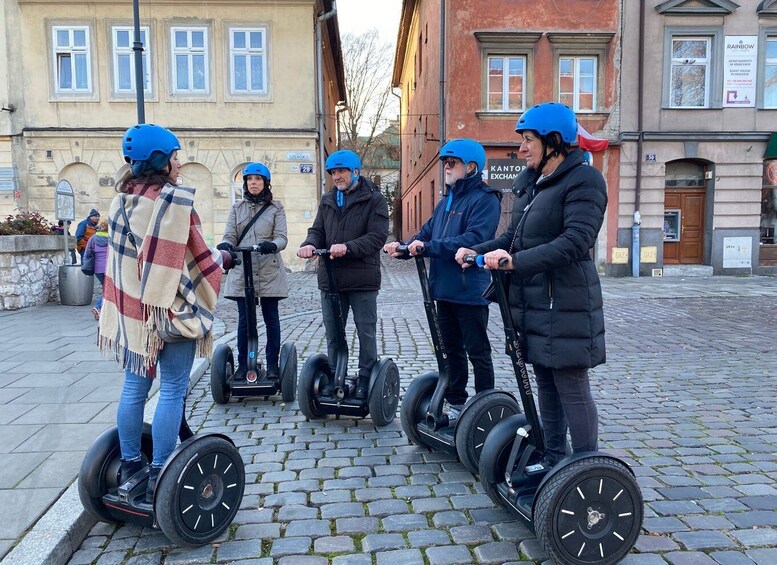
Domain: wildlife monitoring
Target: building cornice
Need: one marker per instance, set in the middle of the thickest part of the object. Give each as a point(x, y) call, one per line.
point(508, 37)
point(590, 38)
point(707, 7)
point(723, 136)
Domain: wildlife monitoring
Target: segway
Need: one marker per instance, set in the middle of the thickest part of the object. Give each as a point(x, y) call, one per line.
point(198, 492)
point(421, 412)
point(314, 396)
point(585, 509)
point(255, 381)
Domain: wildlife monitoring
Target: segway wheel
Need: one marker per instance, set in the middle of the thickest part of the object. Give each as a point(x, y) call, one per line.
point(589, 511)
point(415, 404)
point(222, 368)
point(313, 376)
point(288, 367)
point(100, 470)
point(494, 457)
point(199, 491)
point(384, 396)
point(477, 421)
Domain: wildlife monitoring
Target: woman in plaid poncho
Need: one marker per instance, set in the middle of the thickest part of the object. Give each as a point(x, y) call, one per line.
point(161, 286)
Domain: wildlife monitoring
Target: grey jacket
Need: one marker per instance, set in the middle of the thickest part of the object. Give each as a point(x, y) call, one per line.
point(269, 272)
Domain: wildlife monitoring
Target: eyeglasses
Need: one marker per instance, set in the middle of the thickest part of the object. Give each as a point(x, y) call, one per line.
point(450, 163)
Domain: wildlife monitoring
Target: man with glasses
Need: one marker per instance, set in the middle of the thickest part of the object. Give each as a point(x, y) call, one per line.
point(468, 212)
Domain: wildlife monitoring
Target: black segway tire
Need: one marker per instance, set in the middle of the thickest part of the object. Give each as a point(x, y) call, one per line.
point(476, 423)
point(312, 377)
point(100, 470)
point(222, 367)
point(415, 404)
point(494, 457)
point(200, 490)
point(589, 511)
point(288, 369)
point(384, 395)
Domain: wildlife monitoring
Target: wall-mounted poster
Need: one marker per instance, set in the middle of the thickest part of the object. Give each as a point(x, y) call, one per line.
point(739, 70)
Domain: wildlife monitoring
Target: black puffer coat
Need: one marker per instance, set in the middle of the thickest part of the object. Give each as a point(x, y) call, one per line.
point(555, 294)
point(362, 225)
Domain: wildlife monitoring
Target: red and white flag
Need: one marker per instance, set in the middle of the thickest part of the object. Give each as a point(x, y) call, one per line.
point(588, 142)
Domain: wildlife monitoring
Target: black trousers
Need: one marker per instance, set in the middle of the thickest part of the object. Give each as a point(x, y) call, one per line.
point(464, 330)
point(566, 402)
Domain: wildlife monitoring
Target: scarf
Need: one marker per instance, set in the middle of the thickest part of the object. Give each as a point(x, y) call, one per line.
point(169, 284)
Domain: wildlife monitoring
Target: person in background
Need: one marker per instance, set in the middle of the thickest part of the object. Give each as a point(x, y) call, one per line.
point(98, 246)
point(59, 229)
point(554, 293)
point(161, 287)
point(352, 222)
point(468, 215)
point(265, 221)
point(86, 229)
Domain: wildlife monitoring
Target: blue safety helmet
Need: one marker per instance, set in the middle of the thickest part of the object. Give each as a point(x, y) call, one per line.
point(468, 150)
point(142, 140)
point(549, 117)
point(343, 159)
point(256, 169)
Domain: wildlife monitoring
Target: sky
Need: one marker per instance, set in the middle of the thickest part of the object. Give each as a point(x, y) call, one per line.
point(358, 16)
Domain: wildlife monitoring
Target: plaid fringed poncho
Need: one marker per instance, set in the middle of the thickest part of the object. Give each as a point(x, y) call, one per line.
point(172, 279)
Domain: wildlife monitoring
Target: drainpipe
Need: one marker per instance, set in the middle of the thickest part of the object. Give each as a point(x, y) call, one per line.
point(322, 17)
point(398, 194)
point(342, 106)
point(640, 111)
point(443, 133)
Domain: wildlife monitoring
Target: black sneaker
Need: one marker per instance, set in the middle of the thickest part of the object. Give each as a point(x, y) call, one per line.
point(362, 386)
point(153, 475)
point(240, 374)
point(273, 373)
point(128, 469)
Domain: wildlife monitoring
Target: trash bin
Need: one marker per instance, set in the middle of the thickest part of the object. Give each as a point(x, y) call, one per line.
point(75, 288)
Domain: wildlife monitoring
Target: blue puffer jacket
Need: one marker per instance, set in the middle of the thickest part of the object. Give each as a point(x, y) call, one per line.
point(467, 216)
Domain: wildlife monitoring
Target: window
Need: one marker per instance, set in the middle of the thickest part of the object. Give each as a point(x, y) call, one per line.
point(690, 74)
point(72, 66)
point(124, 60)
point(248, 61)
point(506, 83)
point(770, 74)
point(577, 83)
point(190, 59)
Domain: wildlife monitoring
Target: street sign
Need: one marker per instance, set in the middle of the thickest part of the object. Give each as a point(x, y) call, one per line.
point(65, 201)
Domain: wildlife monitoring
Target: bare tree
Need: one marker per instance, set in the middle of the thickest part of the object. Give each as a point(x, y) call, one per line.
point(367, 61)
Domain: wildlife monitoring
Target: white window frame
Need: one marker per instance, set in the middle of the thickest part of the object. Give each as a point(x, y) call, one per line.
point(72, 51)
point(505, 105)
point(117, 51)
point(576, 79)
point(189, 52)
point(768, 62)
point(705, 62)
point(248, 52)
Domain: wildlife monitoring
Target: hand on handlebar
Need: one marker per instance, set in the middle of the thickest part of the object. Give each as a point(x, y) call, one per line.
point(461, 252)
point(338, 250)
point(498, 259)
point(306, 252)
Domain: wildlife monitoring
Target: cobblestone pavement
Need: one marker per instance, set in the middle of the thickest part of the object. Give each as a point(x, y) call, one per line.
point(687, 397)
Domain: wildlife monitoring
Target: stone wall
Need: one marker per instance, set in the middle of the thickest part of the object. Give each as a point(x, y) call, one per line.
point(29, 267)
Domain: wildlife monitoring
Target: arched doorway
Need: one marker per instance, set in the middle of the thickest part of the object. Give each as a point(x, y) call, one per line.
point(197, 176)
point(685, 204)
point(86, 187)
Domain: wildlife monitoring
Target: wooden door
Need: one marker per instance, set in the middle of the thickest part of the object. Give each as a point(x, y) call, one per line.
point(689, 250)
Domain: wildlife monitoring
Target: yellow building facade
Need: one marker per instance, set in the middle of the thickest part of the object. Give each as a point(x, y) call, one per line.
point(236, 81)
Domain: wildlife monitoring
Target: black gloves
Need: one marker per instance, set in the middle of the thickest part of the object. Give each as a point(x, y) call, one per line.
point(224, 246)
point(267, 247)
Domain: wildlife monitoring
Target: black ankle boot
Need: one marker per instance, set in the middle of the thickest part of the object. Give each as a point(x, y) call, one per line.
point(153, 475)
point(362, 386)
point(129, 468)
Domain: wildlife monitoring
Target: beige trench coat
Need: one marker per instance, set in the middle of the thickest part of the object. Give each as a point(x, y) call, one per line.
point(269, 272)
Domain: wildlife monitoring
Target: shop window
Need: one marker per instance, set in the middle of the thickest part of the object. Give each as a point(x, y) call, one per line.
point(769, 203)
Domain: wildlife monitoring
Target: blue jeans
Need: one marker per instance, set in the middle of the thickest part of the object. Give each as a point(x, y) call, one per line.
point(100, 277)
point(272, 324)
point(175, 364)
point(566, 403)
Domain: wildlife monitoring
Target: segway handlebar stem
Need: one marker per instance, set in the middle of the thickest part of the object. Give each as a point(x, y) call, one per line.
point(341, 363)
point(514, 351)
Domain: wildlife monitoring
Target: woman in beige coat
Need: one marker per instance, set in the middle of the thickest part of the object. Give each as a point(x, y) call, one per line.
point(270, 233)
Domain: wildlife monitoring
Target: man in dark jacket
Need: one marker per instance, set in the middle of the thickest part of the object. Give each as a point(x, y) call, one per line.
point(555, 295)
point(353, 223)
point(467, 215)
point(86, 229)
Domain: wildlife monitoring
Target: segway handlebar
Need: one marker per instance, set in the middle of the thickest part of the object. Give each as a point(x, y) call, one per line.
point(404, 250)
point(321, 252)
point(250, 249)
point(480, 260)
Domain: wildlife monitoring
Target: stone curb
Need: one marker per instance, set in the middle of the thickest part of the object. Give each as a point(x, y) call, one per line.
point(60, 531)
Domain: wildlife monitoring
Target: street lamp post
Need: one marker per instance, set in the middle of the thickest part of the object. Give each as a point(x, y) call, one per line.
point(137, 48)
